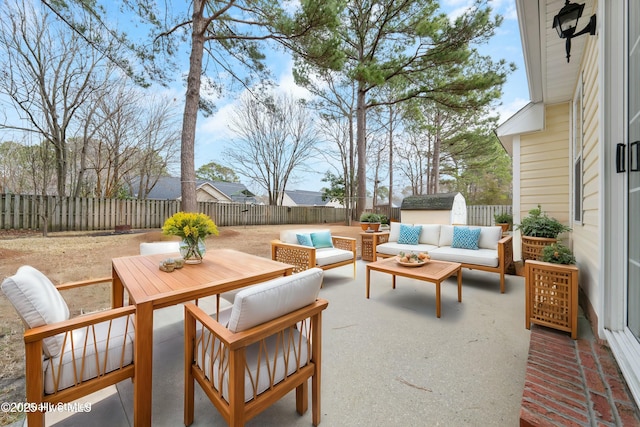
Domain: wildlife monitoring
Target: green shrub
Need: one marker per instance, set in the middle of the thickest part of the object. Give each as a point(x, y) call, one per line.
point(369, 217)
point(538, 224)
point(503, 218)
point(557, 253)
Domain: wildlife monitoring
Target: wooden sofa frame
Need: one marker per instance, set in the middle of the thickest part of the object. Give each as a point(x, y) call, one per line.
point(304, 257)
point(505, 260)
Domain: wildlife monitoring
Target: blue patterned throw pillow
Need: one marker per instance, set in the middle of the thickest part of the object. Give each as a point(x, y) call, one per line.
point(465, 238)
point(304, 239)
point(409, 234)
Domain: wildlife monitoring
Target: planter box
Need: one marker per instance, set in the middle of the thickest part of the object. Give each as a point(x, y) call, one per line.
point(551, 296)
point(532, 247)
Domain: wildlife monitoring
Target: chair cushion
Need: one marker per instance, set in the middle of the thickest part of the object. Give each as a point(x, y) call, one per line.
point(113, 345)
point(327, 256)
point(152, 248)
point(260, 361)
point(304, 239)
point(322, 239)
point(38, 303)
point(465, 238)
point(266, 301)
point(409, 234)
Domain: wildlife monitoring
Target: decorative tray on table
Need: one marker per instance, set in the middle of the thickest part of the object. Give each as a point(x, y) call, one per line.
point(412, 259)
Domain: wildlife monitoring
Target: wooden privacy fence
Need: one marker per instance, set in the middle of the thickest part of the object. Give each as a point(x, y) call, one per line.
point(28, 212)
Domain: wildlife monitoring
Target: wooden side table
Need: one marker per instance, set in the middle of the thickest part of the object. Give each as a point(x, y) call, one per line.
point(369, 243)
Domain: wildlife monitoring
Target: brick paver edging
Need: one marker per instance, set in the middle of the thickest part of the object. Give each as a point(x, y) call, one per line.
point(573, 383)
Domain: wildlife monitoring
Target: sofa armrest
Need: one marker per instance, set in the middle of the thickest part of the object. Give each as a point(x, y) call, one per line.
point(505, 253)
point(301, 257)
point(345, 243)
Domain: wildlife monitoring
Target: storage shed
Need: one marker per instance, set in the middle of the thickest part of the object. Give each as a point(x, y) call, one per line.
point(445, 208)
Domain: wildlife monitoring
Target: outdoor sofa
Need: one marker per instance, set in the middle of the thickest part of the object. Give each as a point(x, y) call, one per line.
point(475, 247)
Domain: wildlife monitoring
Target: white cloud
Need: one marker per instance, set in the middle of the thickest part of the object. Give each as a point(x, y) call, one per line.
point(508, 110)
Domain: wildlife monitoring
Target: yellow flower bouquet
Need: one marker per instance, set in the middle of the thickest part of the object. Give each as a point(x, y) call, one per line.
point(192, 228)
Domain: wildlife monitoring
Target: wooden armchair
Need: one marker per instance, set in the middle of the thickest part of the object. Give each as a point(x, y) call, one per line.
point(317, 252)
point(263, 347)
point(67, 358)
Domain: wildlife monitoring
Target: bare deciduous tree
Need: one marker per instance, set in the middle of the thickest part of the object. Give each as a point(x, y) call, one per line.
point(48, 76)
point(274, 138)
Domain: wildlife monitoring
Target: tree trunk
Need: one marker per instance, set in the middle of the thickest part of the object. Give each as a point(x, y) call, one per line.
point(361, 146)
point(190, 117)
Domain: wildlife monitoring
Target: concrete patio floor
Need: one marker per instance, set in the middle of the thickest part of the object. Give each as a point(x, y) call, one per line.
point(385, 361)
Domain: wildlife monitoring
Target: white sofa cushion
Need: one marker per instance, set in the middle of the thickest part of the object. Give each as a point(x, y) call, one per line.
point(38, 303)
point(290, 236)
point(394, 231)
point(485, 257)
point(327, 256)
point(430, 234)
point(265, 301)
point(113, 345)
point(489, 237)
point(446, 235)
point(393, 248)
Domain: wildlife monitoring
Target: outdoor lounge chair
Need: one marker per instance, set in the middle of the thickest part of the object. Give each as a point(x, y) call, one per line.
point(67, 358)
point(263, 347)
point(309, 248)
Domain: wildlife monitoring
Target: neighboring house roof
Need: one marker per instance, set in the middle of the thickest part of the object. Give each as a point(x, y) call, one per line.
point(306, 198)
point(431, 202)
point(170, 188)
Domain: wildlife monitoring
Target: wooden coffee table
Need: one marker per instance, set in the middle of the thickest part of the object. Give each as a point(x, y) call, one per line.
point(433, 271)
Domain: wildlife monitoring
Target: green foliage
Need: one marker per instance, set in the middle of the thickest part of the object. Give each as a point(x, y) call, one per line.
point(503, 218)
point(213, 171)
point(369, 217)
point(539, 224)
point(336, 190)
point(557, 253)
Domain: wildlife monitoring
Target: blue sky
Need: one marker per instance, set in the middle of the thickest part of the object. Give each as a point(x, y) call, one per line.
point(212, 136)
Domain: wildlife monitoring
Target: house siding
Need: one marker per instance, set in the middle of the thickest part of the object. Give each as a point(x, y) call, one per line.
point(586, 235)
point(544, 157)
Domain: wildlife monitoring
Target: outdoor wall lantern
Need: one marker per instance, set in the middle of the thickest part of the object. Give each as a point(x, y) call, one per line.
point(566, 21)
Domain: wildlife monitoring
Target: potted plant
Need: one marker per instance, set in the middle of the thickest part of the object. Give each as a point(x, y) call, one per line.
point(192, 228)
point(504, 220)
point(552, 289)
point(370, 221)
point(538, 230)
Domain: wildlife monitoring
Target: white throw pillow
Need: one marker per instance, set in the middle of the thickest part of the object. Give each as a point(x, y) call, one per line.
point(446, 235)
point(489, 237)
point(394, 231)
point(430, 234)
point(38, 303)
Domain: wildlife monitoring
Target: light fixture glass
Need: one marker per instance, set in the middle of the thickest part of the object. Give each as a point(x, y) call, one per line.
point(566, 22)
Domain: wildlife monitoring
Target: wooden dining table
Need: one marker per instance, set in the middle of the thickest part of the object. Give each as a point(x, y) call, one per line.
point(149, 288)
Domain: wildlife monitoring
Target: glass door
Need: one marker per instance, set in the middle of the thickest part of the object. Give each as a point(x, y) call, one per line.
point(633, 174)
